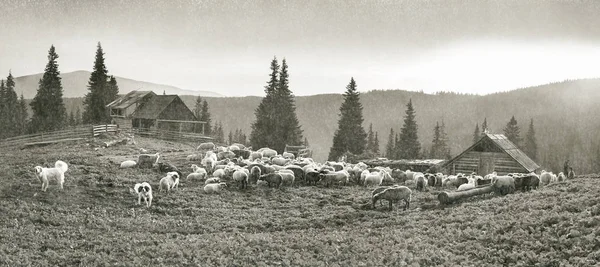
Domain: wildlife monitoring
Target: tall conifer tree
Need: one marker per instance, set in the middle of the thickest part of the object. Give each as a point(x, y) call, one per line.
point(262, 128)
point(512, 132)
point(350, 135)
point(95, 101)
point(49, 111)
point(287, 127)
point(389, 148)
point(476, 133)
point(530, 146)
point(409, 141)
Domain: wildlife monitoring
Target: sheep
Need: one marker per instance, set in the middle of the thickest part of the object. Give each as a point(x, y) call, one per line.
point(128, 164)
point(387, 179)
point(363, 176)
point(378, 190)
point(374, 178)
point(233, 148)
point(143, 191)
point(193, 157)
point(273, 179)
point(255, 155)
point(298, 172)
point(197, 169)
point(439, 178)
point(255, 173)
point(394, 194)
point(571, 173)
point(420, 180)
point(288, 155)
point(225, 155)
point(214, 188)
point(546, 177)
point(561, 177)
point(166, 167)
point(287, 177)
point(280, 161)
point(220, 173)
point(196, 176)
point(214, 180)
point(242, 153)
point(241, 177)
point(335, 177)
point(312, 177)
point(240, 146)
point(503, 184)
point(269, 153)
point(468, 186)
point(206, 146)
point(148, 160)
point(169, 182)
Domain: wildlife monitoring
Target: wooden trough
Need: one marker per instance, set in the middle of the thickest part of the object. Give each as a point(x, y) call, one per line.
point(449, 197)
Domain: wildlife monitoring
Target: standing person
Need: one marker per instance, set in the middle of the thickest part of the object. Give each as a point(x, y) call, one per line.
point(566, 168)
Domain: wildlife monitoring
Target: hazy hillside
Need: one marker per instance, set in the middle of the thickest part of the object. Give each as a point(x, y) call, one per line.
point(565, 117)
point(75, 85)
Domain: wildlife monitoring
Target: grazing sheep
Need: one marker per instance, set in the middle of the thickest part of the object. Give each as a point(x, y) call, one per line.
point(169, 182)
point(394, 194)
point(335, 177)
point(214, 180)
point(255, 173)
point(503, 184)
point(378, 190)
point(312, 177)
point(374, 178)
point(439, 178)
point(57, 174)
point(241, 177)
point(298, 172)
point(420, 181)
point(165, 167)
point(387, 178)
point(467, 186)
point(287, 177)
point(128, 164)
point(280, 161)
point(273, 179)
point(214, 188)
point(255, 155)
point(148, 160)
point(194, 157)
point(220, 173)
point(233, 148)
point(196, 176)
point(269, 153)
point(225, 155)
point(198, 169)
point(363, 176)
point(143, 191)
point(430, 179)
point(206, 146)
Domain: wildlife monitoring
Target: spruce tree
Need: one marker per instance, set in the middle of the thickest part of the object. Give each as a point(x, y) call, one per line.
point(113, 90)
point(78, 118)
point(389, 148)
point(287, 127)
point(22, 117)
point(530, 142)
point(409, 141)
point(3, 112)
point(11, 102)
point(71, 118)
point(306, 142)
point(95, 101)
point(350, 135)
point(444, 147)
point(435, 146)
point(396, 147)
point(370, 139)
point(49, 111)
point(484, 126)
point(205, 116)
point(512, 132)
point(230, 138)
point(439, 147)
point(376, 144)
point(476, 134)
point(264, 125)
point(198, 112)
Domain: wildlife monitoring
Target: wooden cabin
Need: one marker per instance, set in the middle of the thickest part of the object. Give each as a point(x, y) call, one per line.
point(148, 111)
point(492, 153)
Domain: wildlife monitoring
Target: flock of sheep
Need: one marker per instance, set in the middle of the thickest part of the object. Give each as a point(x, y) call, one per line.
point(265, 167)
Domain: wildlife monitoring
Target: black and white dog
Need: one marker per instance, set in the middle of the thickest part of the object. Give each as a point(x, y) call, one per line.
point(143, 190)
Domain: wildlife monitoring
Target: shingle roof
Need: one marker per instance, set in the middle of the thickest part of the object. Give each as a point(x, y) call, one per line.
point(507, 146)
point(154, 107)
point(128, 99)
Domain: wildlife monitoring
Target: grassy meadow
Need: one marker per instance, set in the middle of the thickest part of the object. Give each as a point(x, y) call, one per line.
point(95, 221)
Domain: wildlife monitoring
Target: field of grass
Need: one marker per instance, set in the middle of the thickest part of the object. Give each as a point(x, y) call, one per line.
point(95, 222)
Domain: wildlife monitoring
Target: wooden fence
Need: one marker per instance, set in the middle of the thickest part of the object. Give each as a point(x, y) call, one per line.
point(87, 131)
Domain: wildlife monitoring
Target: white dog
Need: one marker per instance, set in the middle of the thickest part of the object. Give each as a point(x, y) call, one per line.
point(57, 173)
point(143, 190)
point(170, 181)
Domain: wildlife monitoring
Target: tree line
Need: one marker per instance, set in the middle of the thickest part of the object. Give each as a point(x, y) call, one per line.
point(49, 112)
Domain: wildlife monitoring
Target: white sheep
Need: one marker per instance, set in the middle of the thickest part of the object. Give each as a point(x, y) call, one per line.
point(128, 164)
point(241, 176)
point(220, 173)
point(546, 177)
point(374, 178)
point(169, 182)
point(394, 194)
point(198, 169)
point(287, 177)
point(214, 180)
point(196, 176)
point(214, 188)
point(561, 177)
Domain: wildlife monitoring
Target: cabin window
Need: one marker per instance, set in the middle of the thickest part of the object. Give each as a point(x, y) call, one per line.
point(116, 112)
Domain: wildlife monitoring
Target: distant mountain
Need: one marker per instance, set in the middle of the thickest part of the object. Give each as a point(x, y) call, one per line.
point(75, 85)
point(565, 116)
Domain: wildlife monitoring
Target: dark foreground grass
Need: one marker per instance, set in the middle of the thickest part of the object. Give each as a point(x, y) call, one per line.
point(95, 222)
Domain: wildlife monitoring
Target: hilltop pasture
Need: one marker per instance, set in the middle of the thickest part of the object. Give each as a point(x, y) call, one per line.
point(95, 221)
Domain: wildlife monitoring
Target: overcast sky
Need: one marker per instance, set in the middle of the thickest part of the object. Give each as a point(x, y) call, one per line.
point(226, 46)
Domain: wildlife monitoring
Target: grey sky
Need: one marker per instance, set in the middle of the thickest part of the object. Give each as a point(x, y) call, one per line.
point(226, 46)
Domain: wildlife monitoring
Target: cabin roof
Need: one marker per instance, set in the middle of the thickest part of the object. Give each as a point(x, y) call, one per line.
point(128, 99)
point(505, 145)
point(154, 107)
